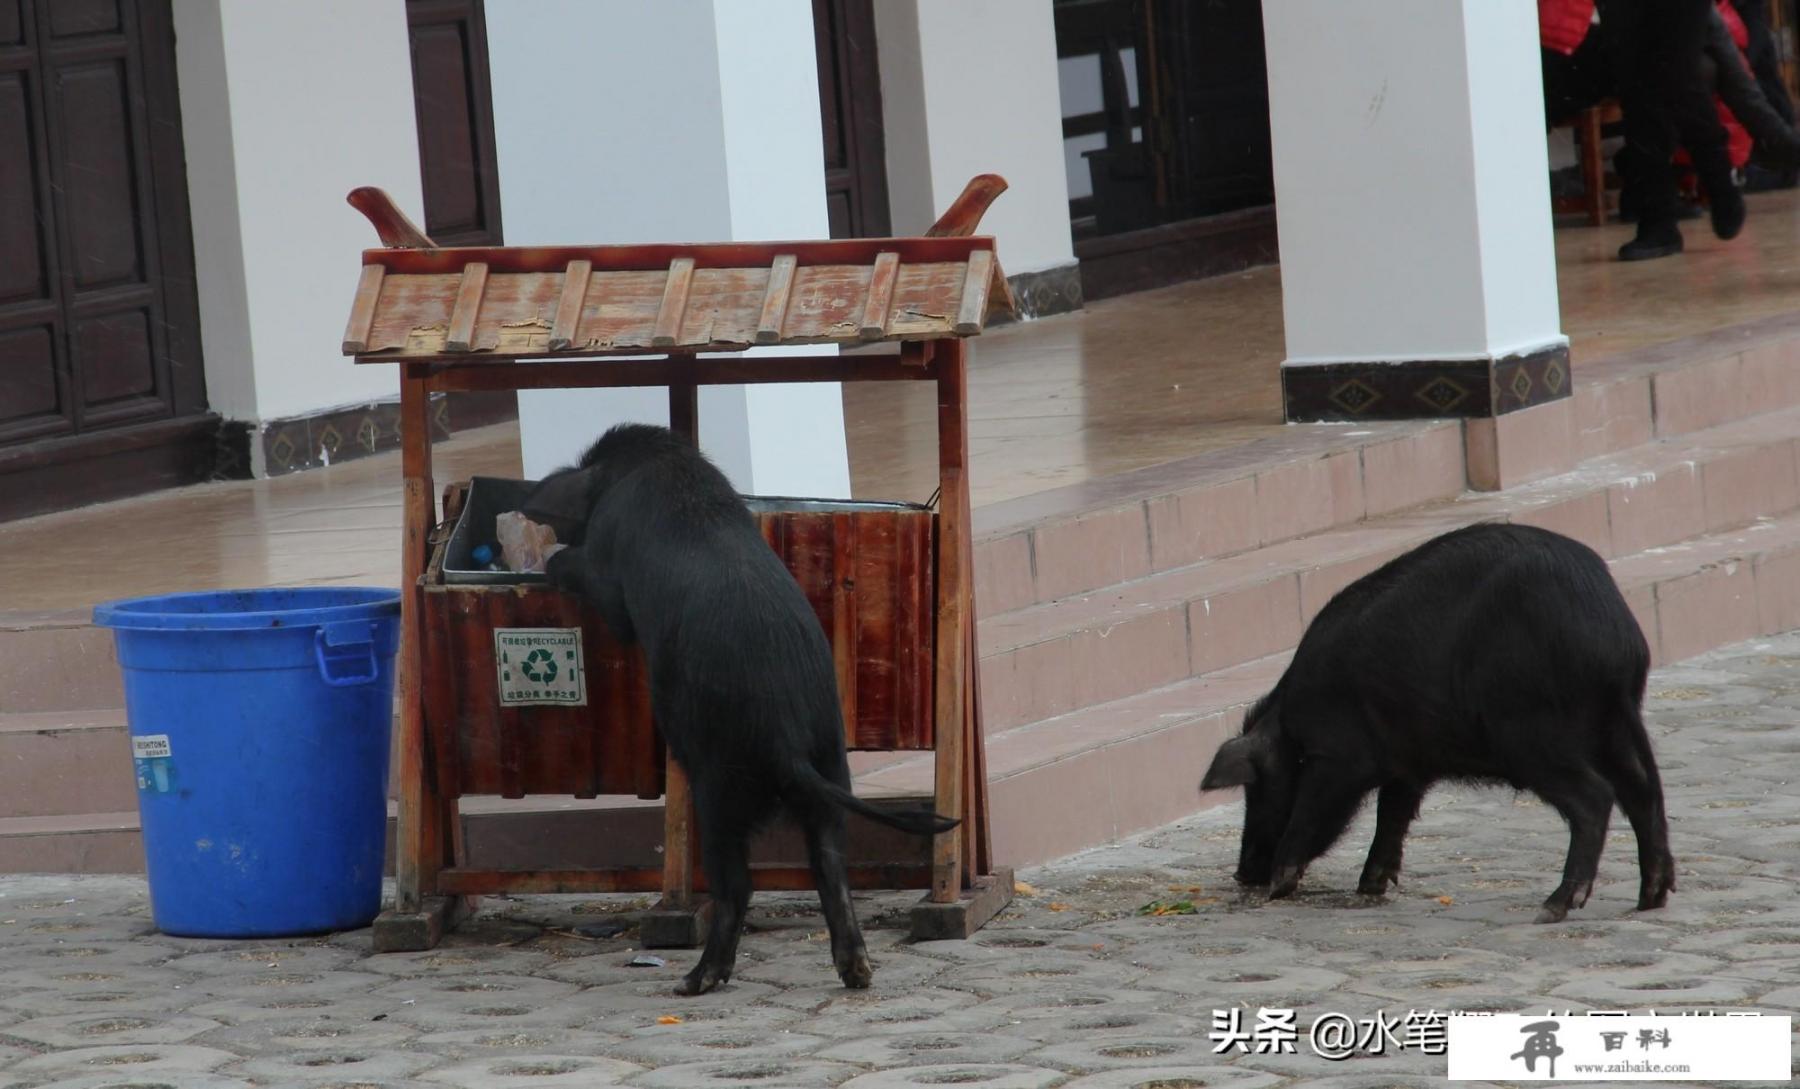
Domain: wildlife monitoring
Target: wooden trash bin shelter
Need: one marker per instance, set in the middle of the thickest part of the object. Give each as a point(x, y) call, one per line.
point(892, 583)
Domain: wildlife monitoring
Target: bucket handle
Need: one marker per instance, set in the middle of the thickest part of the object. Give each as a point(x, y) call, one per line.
point(346, 654)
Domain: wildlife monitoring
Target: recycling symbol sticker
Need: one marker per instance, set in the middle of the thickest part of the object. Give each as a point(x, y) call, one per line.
point(540, 666)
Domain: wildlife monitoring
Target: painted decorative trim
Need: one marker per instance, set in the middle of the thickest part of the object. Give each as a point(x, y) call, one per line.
point(1427, 389)
point(326, 438)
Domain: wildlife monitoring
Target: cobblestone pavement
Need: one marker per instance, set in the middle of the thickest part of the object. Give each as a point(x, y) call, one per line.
point(1070, 988)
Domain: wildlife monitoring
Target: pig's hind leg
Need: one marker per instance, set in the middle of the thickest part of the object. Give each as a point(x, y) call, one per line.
point(1585, 801)
point(1631, 767)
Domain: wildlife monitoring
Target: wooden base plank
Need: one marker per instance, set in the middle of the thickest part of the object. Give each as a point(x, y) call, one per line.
point(417, 931)
point(675, 926)
point(960, 919)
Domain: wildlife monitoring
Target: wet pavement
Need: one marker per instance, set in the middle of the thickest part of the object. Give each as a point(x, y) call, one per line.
point(1079, 985)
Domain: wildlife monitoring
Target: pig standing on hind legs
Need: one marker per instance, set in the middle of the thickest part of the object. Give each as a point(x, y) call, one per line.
point(742, 682)
point(1494, 654)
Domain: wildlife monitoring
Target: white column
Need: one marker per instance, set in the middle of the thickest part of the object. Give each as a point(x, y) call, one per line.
point(1411, 180)
point(682, 120)
point(286, 108)
point(970, 88)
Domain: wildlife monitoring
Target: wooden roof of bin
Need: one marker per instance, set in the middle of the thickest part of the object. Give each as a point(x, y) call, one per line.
point(416, 301)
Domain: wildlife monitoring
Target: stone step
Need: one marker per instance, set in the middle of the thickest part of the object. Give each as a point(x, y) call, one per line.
point(1057, 657)
point(1082, 537)
point(59, 763)
point(1071, 781)
point(56, 661)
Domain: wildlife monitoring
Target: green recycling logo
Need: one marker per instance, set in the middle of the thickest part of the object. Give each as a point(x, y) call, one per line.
point(539, 666)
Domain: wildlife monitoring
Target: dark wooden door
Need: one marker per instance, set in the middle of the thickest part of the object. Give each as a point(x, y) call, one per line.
point(850, 111)
point(458, 169)
point(454, 105)
point(99, 326)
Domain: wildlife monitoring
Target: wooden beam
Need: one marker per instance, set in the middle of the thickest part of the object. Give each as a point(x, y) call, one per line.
point(973, 310)
point(461, 334)
point(712, 371)
point(362, 311)
point(775, 299)
point(469, 881)
point(881, 296)
point(674, 303)
point(396, 231)
point(568, 308)
point(654, 257)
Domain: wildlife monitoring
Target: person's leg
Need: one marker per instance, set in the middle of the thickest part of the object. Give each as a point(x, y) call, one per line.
point(1645, 168)
point(1677, 41)
point(1765, 56)
point(1775, 138)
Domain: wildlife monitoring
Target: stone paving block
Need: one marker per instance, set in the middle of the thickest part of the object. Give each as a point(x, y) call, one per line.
point(534, 1071)
point(1083, 1056)
point(457, 960)
point(712, 1041)
point(1159, 1077)
point(798, 1073)
point(489, 1043)
point(91, 1030)
point(983, 1076)
point(929, 1009)
point(257, 960)
point(905, 1049)
point(811, 970)
point(275, 1006)
point(331, 1028)
point(349, 1065)
point(126, 1080)
point(131, 1059)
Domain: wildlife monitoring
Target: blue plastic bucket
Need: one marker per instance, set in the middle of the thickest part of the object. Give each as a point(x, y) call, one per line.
point(259, 727)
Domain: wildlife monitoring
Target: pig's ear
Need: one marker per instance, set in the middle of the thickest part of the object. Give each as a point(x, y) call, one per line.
point(1236, 762)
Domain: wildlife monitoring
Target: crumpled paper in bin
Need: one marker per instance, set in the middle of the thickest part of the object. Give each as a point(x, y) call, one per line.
point(525, 546)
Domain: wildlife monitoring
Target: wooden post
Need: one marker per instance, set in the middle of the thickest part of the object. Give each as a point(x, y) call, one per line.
point(953, 614)
point(422, 843)
point(965, 891)
point(681, 919)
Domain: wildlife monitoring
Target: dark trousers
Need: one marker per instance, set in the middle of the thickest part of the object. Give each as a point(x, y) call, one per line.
point(1765, 56)
point(1665, 98)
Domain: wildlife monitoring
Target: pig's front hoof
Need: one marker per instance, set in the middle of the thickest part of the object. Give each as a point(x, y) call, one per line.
point(857, 973)
point(1284, 884)
point(1552, 913)
point(1657, 885)
point(1251, 879)
point(1376, 884)
point(699, 981)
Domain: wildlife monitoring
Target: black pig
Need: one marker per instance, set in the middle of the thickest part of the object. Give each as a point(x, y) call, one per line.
point(741, 677)
point(1492, 654)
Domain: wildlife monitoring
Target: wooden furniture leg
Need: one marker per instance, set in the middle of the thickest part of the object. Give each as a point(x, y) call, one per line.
point(681, 919)
point(424, 842)
point(1593, 166)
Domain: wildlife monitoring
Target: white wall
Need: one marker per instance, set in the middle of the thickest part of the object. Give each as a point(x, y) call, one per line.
point(701, 123)
point(285, 109)
point(971, 88)
point(1411, 179)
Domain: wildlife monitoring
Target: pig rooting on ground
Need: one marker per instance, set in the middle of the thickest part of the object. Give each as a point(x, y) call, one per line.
point(1493, 654)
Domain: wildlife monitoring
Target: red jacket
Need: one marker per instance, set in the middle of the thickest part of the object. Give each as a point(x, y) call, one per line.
point(1562, 24)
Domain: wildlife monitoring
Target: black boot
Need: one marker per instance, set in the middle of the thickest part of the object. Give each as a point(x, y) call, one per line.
point(1657, 238)
point(1727, 205)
